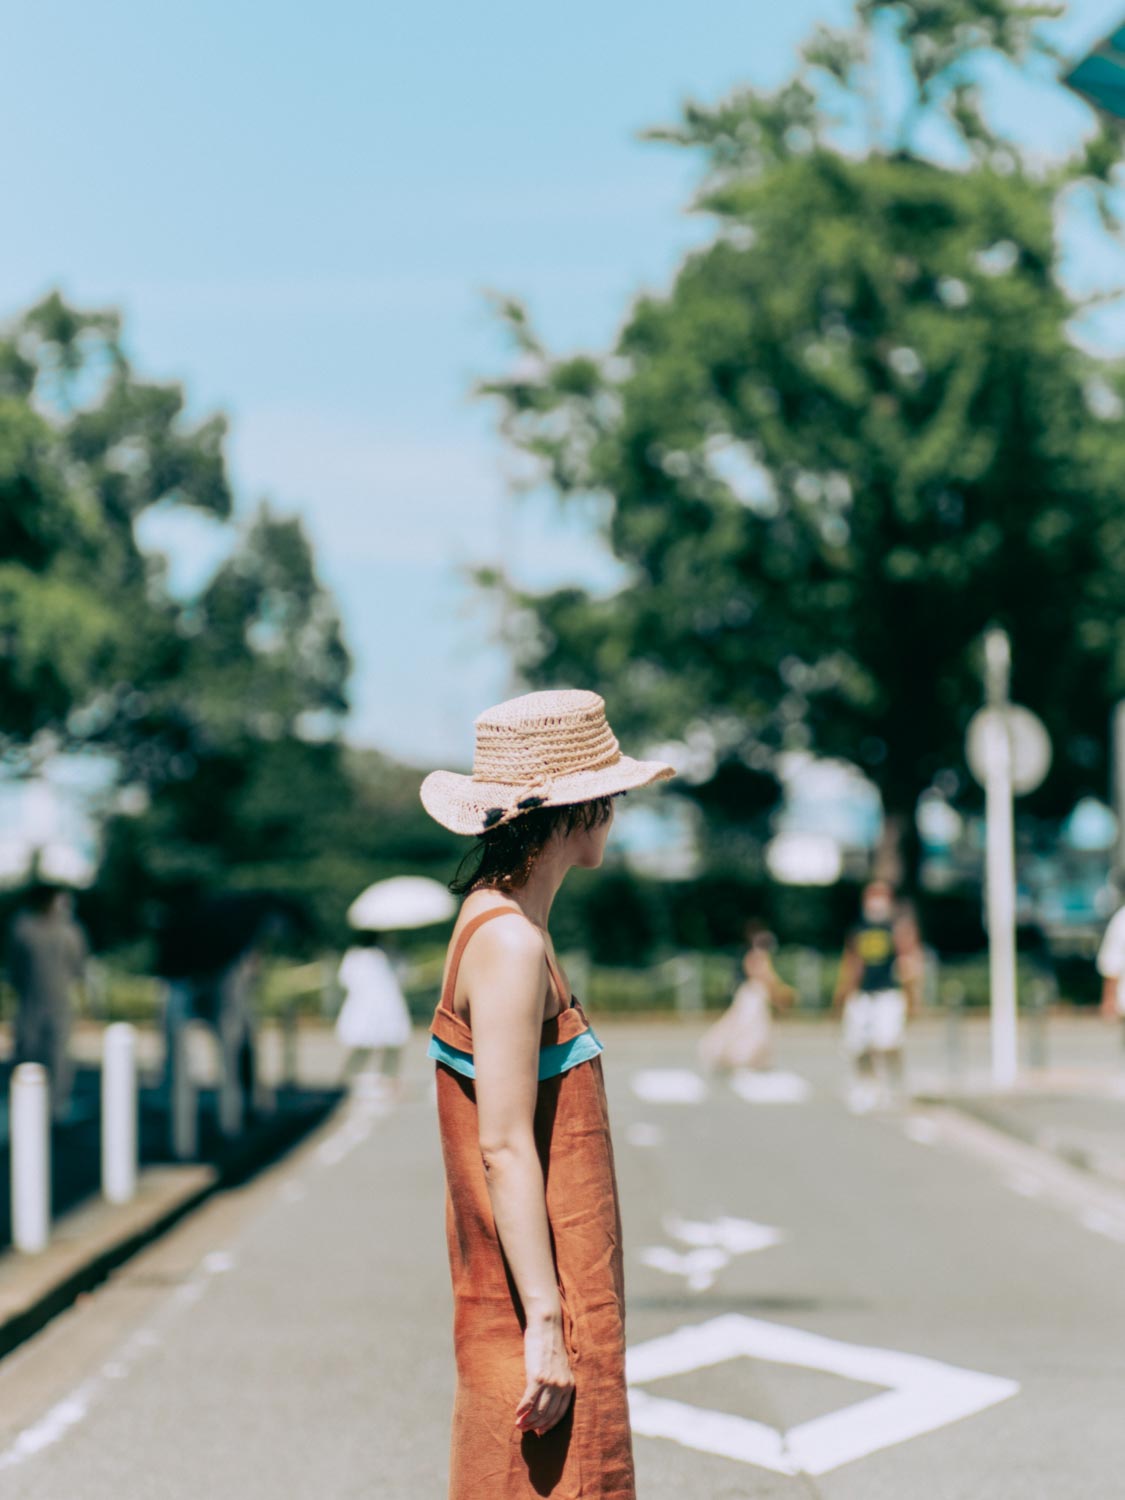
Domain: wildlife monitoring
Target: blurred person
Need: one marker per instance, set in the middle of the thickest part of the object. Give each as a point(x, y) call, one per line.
point(879, 985)
point(1111, 960)
point(374, 1022)
point(742, 1035)
point(47, 957)
point(533, 1223)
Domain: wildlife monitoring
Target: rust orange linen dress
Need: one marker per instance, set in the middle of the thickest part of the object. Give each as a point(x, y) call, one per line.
point(588, 1455)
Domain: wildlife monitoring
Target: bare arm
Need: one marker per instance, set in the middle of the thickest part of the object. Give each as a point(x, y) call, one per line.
point(1109, 998)
point(848, 977)
point(506, 968)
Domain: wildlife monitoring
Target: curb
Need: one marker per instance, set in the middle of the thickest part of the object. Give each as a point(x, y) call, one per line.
point(1090, 1162)
point(90, 1242)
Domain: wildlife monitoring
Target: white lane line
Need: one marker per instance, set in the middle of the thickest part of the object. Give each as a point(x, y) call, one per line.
point(76, 1406)
point(641, 1133)
point(775, 1087)
point(923, 1395)
point(1110, 1226)
point(1026, 1184)
point(360, 1115)
point(669, 1086)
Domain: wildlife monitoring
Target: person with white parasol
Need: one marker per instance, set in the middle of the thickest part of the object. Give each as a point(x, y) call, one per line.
point(374, 1022)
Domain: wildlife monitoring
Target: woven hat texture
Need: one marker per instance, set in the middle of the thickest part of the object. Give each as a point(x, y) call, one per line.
point(540, 750)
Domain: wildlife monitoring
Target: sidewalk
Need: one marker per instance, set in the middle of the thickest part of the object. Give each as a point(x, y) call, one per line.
point(1072, 1107)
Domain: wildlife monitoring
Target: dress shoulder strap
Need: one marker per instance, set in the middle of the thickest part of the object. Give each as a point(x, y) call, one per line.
point(470, 927)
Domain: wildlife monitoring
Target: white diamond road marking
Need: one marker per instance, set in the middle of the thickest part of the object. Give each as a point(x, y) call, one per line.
point(775, 1087)
point(923, 1395)
point(669, 1086)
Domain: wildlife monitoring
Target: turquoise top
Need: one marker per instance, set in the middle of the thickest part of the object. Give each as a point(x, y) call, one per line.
point(552, 1060)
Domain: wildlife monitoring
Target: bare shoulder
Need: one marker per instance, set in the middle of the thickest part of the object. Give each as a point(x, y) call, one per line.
point(511, 940)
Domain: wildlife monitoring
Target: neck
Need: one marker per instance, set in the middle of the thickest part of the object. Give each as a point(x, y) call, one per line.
point(536, 895)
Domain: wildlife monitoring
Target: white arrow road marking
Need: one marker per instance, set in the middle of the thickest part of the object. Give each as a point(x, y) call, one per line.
point(698, 1267)
point(770, 1088)
point(713, 1246)
point(923, 1395)
point(735, 1236)
point(669, 1086)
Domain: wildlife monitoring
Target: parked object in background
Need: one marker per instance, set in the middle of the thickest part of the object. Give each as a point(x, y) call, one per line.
point(741, 1037)
point(374, 1020)
point(47, 957)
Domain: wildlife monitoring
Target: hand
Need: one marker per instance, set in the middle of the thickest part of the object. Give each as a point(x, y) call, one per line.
point(550, 1383)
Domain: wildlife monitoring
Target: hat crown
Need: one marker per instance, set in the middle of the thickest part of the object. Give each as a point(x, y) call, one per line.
point(543, 736)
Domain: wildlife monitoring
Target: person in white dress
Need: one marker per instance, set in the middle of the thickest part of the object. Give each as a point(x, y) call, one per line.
point(740, 1038)
point(374, 1022)
point(1111, 966)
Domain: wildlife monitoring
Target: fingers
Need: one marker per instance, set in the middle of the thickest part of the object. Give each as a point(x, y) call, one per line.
point(542, 1407)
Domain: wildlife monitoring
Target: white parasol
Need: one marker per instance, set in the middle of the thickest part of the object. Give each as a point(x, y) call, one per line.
point(403, 901)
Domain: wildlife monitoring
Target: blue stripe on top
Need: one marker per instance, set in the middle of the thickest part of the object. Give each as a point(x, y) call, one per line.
point(552, 1060)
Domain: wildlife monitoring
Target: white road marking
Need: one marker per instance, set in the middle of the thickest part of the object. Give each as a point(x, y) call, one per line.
point(1099, 1221)
point(641, 1133)
point(923, 1395)
point(775, 1087)
point(712, 1247)
point(922, 1132)
point(734, 1236)
point(58, 1420)
point(1032, 1172)
point(1026, 1185)
point(360, 1114)
point(698, 1267)
point(669, 1086)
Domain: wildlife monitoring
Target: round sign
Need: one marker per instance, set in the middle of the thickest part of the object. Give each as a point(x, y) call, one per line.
point(1029, 742)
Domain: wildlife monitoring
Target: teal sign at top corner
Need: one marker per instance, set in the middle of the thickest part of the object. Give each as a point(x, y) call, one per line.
point(1100, 76)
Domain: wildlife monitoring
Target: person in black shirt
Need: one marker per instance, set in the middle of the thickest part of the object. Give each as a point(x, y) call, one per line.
point(878, 975)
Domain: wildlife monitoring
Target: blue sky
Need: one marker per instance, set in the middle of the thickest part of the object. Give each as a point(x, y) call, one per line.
point(299, 210)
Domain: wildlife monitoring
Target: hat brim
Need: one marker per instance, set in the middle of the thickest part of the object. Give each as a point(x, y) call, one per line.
point(463, 805)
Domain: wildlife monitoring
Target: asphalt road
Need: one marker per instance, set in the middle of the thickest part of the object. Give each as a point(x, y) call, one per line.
point(903, 1305)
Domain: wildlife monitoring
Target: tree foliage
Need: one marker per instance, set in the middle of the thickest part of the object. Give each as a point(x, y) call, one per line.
point(856, 430)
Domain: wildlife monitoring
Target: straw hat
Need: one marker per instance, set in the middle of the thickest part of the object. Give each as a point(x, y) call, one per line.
point(541, 750)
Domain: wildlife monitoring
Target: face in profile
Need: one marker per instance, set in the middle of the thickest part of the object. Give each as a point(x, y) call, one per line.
point(587, 845)
point(878, 902)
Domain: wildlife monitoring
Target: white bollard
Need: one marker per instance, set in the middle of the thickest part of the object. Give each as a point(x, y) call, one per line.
point(119, 1113)
point(31, 1158)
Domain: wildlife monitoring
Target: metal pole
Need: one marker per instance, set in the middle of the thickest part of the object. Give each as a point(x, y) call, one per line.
point(183, 1103)
point(1117, 790)
point(119, 1113)
point(31, 1158)
point(1000, 859)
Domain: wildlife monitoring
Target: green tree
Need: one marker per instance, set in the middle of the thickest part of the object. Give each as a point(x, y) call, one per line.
point(86, 447)
point(222, 713)
point(855, 432)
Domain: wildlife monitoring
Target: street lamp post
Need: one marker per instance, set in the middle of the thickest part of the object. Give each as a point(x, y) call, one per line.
point(1000, 861)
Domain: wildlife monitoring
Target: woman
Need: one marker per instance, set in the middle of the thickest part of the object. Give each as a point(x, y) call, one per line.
point(532, 1217)
point(374, 1021)
point(741, 1037)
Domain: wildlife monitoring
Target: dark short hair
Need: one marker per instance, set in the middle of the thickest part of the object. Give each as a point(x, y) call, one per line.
point(503, 856)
